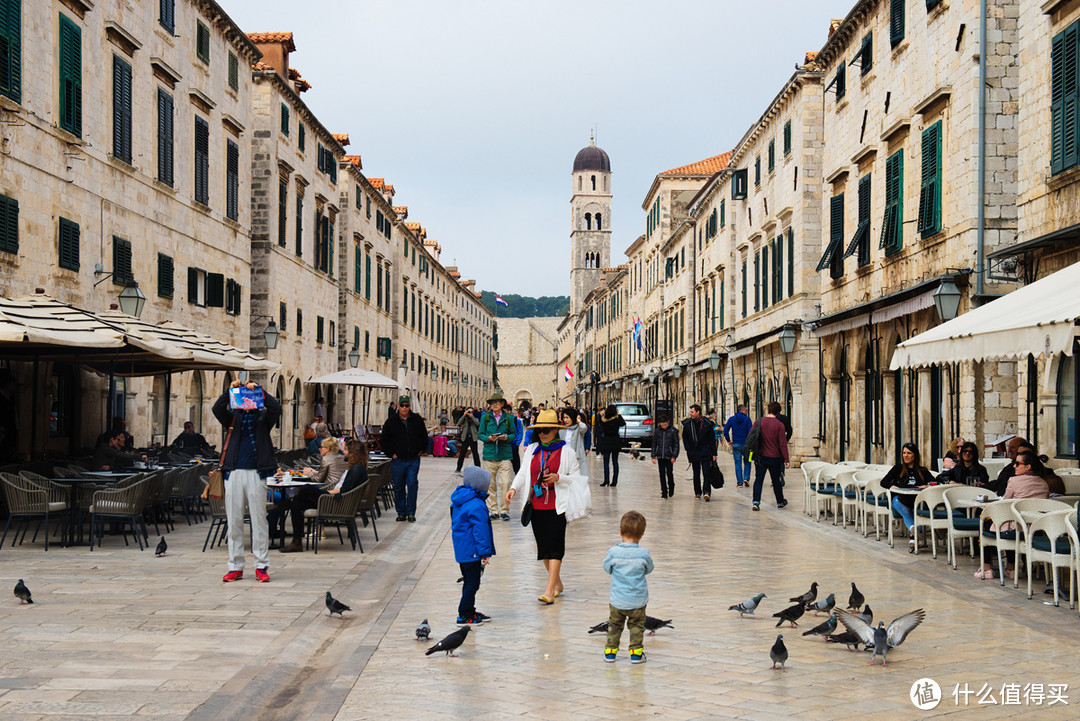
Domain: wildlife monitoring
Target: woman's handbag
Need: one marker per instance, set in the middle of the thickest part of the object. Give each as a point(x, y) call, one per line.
point(526, 512)
point(215, 489)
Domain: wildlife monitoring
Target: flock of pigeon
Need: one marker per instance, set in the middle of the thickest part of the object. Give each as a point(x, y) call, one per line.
point(857, 619)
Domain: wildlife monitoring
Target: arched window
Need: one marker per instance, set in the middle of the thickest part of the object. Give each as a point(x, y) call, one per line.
point(594, 182)
point(598, 224)
point(1066, 407)
point(588, 221)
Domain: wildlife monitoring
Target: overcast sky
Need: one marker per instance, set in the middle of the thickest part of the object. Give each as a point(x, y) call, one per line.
point(475, 110)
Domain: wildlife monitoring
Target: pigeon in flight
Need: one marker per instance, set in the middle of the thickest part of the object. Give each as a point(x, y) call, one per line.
point(882, 638)
point(748, 606)
point(807, 598)
point(847, 638)
point(823, 629)
point(825, 605)
point(22, 593)
point(161, 547)
point(778, 653)
point(335, 606)
point(856, 600)
point(423, 631)
point(790, 614)
point(653, 624)
point(451, 642)
point(867, 615)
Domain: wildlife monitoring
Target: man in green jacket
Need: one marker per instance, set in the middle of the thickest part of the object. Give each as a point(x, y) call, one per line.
point(498, 433)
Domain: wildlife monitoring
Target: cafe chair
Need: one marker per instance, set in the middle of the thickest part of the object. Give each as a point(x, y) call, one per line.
point(997, 514)
point(124, 504)
point(28, 502)
point(1074, 542)
point(809, 470)
point(336, 509)
point(960, 526)
point(876, 504)
point(219, 522)
point(930, 513)
point(1048, 543)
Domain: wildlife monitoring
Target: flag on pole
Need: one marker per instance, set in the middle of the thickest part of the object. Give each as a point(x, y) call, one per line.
point(568, 373)
point(500, 301)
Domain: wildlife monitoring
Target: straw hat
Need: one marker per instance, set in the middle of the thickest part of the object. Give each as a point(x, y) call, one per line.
point(546, 419)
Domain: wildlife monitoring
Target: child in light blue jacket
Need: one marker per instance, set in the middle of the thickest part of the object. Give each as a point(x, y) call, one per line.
point(628, 563)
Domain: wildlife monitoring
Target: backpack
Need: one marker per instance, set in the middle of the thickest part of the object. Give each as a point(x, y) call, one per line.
point(753, 441)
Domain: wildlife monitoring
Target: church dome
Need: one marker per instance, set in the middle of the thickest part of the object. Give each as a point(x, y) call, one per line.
point(592, 158)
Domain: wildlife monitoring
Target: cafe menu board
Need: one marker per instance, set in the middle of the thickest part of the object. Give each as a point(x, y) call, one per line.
point(244, 399)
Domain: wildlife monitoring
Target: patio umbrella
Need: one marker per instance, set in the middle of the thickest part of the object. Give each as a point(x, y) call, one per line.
point(357, 377)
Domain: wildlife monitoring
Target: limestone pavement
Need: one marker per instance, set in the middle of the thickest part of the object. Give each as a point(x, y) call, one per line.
point(119, 634)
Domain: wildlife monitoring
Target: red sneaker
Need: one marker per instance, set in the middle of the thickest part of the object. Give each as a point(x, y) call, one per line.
point(261, 575)
point(233, 576)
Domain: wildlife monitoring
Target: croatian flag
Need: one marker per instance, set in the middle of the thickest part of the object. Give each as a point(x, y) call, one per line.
point(568, 374)
point(500, 301)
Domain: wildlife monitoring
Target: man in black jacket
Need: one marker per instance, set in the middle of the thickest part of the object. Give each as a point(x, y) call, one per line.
point(404, 438)
point(249, 460)
point(699, 440)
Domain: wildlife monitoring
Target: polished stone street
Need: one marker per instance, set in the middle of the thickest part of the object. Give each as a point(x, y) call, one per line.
point(116, 633)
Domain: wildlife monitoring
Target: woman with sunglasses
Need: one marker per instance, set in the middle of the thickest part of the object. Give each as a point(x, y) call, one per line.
point(909, 473)
point(967, 470)
point(1026, 483)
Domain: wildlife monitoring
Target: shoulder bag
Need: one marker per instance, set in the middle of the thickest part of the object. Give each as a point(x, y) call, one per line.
point(215, 489)
point(752, 444)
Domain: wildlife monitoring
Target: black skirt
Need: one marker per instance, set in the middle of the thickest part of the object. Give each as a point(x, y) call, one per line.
point(549, 530)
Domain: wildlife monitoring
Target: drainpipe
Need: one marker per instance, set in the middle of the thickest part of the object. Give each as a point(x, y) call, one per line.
point(980, 248)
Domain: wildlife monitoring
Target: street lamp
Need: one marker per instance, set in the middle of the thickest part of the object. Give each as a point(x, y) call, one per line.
point(132, 299)
point(787, 340)
point(271, 334)
point(947, 299)
point(354, 357)
point(676, 370)
point(714, 360)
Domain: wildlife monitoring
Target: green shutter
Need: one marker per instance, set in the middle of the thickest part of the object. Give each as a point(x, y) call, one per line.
point(167, 15)
point(215, 290)
point(778, 268)
point(722, 219)
point(892, 226)
point(836, 236)
point(930, 190)
point(232, 180)
point(234, 71)
point(860, 241)
point(11, 49)
point(358, 271)
point(757, 171)
point(283, 316)
point(896, 22)
point(202, 42)
point(121, 261)
point(165, 137)
point(1064, 99)
point(193, 285)
point(367, 276)
point(772, 155)
point(300, 133)
point(202, 161)
point(299, 226)
point(70, 76)
point(866, 54)
point(9, 225)
point(319, 333)
point(787, 138)
point(841, 80)
point(69, 244)
point(283, 212)
point(330, 247)
point(285, 120)
point(299, 322)
point(790, 262)
point(764, 280)
point(164, 276)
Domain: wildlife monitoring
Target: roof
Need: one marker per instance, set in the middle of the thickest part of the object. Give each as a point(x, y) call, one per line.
point(355, 160)
point(301, 84)
point(592, 158)
point(280, 37)
point(402, 212)
point(708, 166)
point(376, 183)
point(342, 138)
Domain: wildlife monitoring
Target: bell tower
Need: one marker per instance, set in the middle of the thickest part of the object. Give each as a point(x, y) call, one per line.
point(590, 222)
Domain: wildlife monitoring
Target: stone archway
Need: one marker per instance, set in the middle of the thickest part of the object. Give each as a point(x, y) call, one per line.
point(522, 395)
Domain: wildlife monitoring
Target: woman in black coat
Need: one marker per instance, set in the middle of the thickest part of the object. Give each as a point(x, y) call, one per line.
point(609, 442)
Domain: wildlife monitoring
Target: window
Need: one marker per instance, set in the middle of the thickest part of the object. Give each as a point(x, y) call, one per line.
point(892, 227)
point(121, 78)
point(202, 161)
point(382, 347)
point(831, 258)
point(896, 22)
point(1068, 382)
point(232, 180)
point(772, 155)
point(11, 49)
point(931, 4)
point(285, 120)
point(301, 131)
point(367, 206)
point(367, 341)
point(860, 242)
point(1064, 99)
point(234, 296)
point(215, 290)
point(790, 262)
point(356, 337)
point(299, 322)
point(283, 316)
point(299, 225)
point(121, 261)
point(358, 198)
point(167, 15)
point(378, 288)
point(333, 334)
point(865, 56)
point(367, 276)
point(69, 244)
point(70, 76)
point(283, 213)
point(723, 220)
point(358, 268)
point(778, 268)
point(840, 81)
point(764, 280)
point(164, 137)
point(757, 171)
point(787, 138)
point(234, 71)
point(387, 272)
point(202, 42)
point(164, 275)
point(196, 286)
point(9, 225)
point(930, 187)
point(757, 281)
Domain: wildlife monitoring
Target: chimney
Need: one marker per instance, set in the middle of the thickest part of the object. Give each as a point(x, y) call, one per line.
point(275, 48)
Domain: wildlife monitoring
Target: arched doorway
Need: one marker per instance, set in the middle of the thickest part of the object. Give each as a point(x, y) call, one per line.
point(195, 401)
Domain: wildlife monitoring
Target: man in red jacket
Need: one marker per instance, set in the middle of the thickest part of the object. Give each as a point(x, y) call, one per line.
point(773, 456)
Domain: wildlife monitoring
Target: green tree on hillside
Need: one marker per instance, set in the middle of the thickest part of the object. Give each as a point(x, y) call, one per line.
point(524, 306)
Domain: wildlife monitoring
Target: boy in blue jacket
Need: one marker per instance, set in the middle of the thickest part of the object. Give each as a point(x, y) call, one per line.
point(628, 565)
point(473, 541)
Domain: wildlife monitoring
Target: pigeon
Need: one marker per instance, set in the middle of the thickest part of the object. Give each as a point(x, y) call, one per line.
point(847, 637)
point(856, 600)
point(161, 547)
point(882, 638)
point(808, 597)
point(653, 624)
point(825, 605)
point(778, 653)
point(790, 614)
point(423, 631)
point(599, 628)
point(22, 593)
point(748, 606)
point(335, 606)
point(823, 629)
point(867, 615)
point(451, 642)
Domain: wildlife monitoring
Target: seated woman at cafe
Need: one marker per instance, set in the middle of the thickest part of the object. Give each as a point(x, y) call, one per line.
point(331, 463)
point(308, 496)
point(967, 470)
point(908, 474)
point(111, 457)
point(1027, 482)
point(952, 455)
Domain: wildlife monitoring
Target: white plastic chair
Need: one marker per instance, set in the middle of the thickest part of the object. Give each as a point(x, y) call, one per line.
point(1071, 481)
point(1074, 542)
point(850, 496)
point(1051, 524)
point(931, 500)
point(866, 504)
point(952, 495)
point(999, 513)
point(874, 490)
point(810, 471)
point(823, 498)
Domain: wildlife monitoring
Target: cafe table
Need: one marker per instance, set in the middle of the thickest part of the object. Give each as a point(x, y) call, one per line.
point(281, 485)
point(73, 484)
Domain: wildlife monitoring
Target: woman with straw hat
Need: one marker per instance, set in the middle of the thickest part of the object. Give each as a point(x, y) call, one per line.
point(557, 492)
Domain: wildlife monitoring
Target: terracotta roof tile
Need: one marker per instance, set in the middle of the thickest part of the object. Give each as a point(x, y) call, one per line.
point(342, 138)
point(402, 211)
point(279, 37)
point(708, 166)
point(355, 160)
point(389, 189)
point(301, 84)
point(376, 183)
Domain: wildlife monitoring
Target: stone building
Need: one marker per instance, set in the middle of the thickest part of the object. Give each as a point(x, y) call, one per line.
point(590, 222)
point(901, 160)
point(526, 359)
point(125, 157)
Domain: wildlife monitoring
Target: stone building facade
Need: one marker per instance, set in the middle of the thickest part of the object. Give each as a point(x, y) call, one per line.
point(527, 355)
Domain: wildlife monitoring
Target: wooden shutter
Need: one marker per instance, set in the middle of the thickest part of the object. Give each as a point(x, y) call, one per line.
point(299, 322)
point(202, 42)
point(300, 133)
point(791, 262)
point(70, 76)
point(866, 54)
point(121, 109)
point(387, 273)
point(860, 241)
point(896, 22)
point(319, 329)
point(367, 276)
point(164, 276)
point(757, 282)
point(202, 161)
point(165, 137)
point(283, 212)
point(215, 290)
point(836, 236)
point(841, 81)
point(772, 155)
point(930, 190)
point(69, 244)
point(11, 49)
point(330, 247)
point(778, 268)
point(892, 226)
point(285, 120)
point(299, 226)
point(764, 280)
point(757, 171)
point(121, 261)
point(283, 316)
point(234, 71)
point(322, 158)
point(9, 225)
point(167, 15)
point(193, 285)
point(787, 138)
point(232, 180)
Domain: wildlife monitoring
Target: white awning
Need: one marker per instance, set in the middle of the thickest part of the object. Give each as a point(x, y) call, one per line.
point(356, 377)
point(1038, 319)
point(40, 319)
